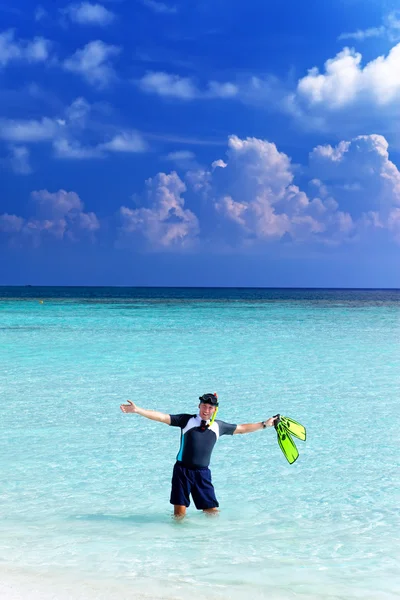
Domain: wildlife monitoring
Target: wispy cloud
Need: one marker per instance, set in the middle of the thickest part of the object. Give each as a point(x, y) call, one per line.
point(180, 155)
point(183, 159)
point(160, 7)
point(126, 141)
point(188, 141)
point(25, 131)
point(185, 88)
point(68, 135)
point(73, 149)
point(363, 34)
point(31, 51)
point(87, 13)
point(40, 13)
point(93, 63)
point(390, 28)
point(19, 160)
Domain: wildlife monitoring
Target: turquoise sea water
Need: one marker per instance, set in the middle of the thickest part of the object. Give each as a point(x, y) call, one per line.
point(84, 489)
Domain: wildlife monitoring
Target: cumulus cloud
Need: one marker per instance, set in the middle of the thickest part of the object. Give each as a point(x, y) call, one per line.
point(354, 187)
point(360, 173)
point(59, 215)
point(254, 189)
point(185, 88)
point(93, 63)
point(345, 81)
point(163, 222)
point(87, 13)
point(347, 95)
point(30, 51)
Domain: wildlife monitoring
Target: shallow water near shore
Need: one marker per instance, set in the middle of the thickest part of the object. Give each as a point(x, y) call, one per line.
point(84, 489)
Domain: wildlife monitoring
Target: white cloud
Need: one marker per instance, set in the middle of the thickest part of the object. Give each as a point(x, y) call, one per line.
point(390, 29)
point(363, 34)
point(160, 7)
point(174, 86)
point(31, 51)
point(123, 142)
point(21, 131)
point(87, 13)
point(183, 159)
point(346, 96)
point(68, 134)
point(354, 189)
point(181, 155)
point(345, 82)
point(59, 215)
point(93, 63)
point(254, 189)
point(126, 141)
point(167, 85)
point(221, 90)
point(392, 24)
point(361, 172)
point(73, 149)
point(165, 222)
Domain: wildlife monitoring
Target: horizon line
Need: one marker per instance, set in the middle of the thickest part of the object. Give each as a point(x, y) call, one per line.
point(24, 286)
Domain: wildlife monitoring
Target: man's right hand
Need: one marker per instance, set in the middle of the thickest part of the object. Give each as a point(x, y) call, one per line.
point(128, 408)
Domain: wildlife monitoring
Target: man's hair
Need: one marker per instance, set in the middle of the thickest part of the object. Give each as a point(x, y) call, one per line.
point(209, 399)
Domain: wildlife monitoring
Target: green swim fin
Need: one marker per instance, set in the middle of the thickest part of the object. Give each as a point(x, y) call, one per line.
point(285, 441)
point(294, 428)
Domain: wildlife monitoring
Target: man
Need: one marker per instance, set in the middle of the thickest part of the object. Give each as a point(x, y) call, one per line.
point(199, 434)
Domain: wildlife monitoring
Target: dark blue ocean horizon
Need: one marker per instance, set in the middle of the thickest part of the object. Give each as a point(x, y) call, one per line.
point(247, 294)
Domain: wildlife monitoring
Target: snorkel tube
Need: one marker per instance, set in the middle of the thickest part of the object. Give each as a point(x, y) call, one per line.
point(213, 417)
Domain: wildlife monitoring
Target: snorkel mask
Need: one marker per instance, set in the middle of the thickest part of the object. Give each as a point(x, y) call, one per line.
point(213, 400)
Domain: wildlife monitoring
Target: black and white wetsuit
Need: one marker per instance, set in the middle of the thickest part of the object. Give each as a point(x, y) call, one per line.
point(197, 444)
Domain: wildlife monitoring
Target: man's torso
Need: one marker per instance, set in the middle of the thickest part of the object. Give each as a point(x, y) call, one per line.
point(197, 443)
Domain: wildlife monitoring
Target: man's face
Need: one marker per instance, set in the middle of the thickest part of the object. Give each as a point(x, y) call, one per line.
point(206, 411)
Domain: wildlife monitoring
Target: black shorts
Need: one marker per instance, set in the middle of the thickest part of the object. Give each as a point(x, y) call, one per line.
point(196, 482)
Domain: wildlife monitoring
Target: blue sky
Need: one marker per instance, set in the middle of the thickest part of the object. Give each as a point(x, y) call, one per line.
point(200, 143)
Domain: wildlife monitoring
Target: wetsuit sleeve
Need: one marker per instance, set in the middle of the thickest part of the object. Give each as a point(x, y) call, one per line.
point(226, 428)
point(180, 420)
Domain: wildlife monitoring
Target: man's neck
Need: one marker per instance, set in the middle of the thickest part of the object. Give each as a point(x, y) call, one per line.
point(207, 421)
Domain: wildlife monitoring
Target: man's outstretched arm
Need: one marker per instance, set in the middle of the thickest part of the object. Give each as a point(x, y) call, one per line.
point(154, 415)
point(250, 427)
